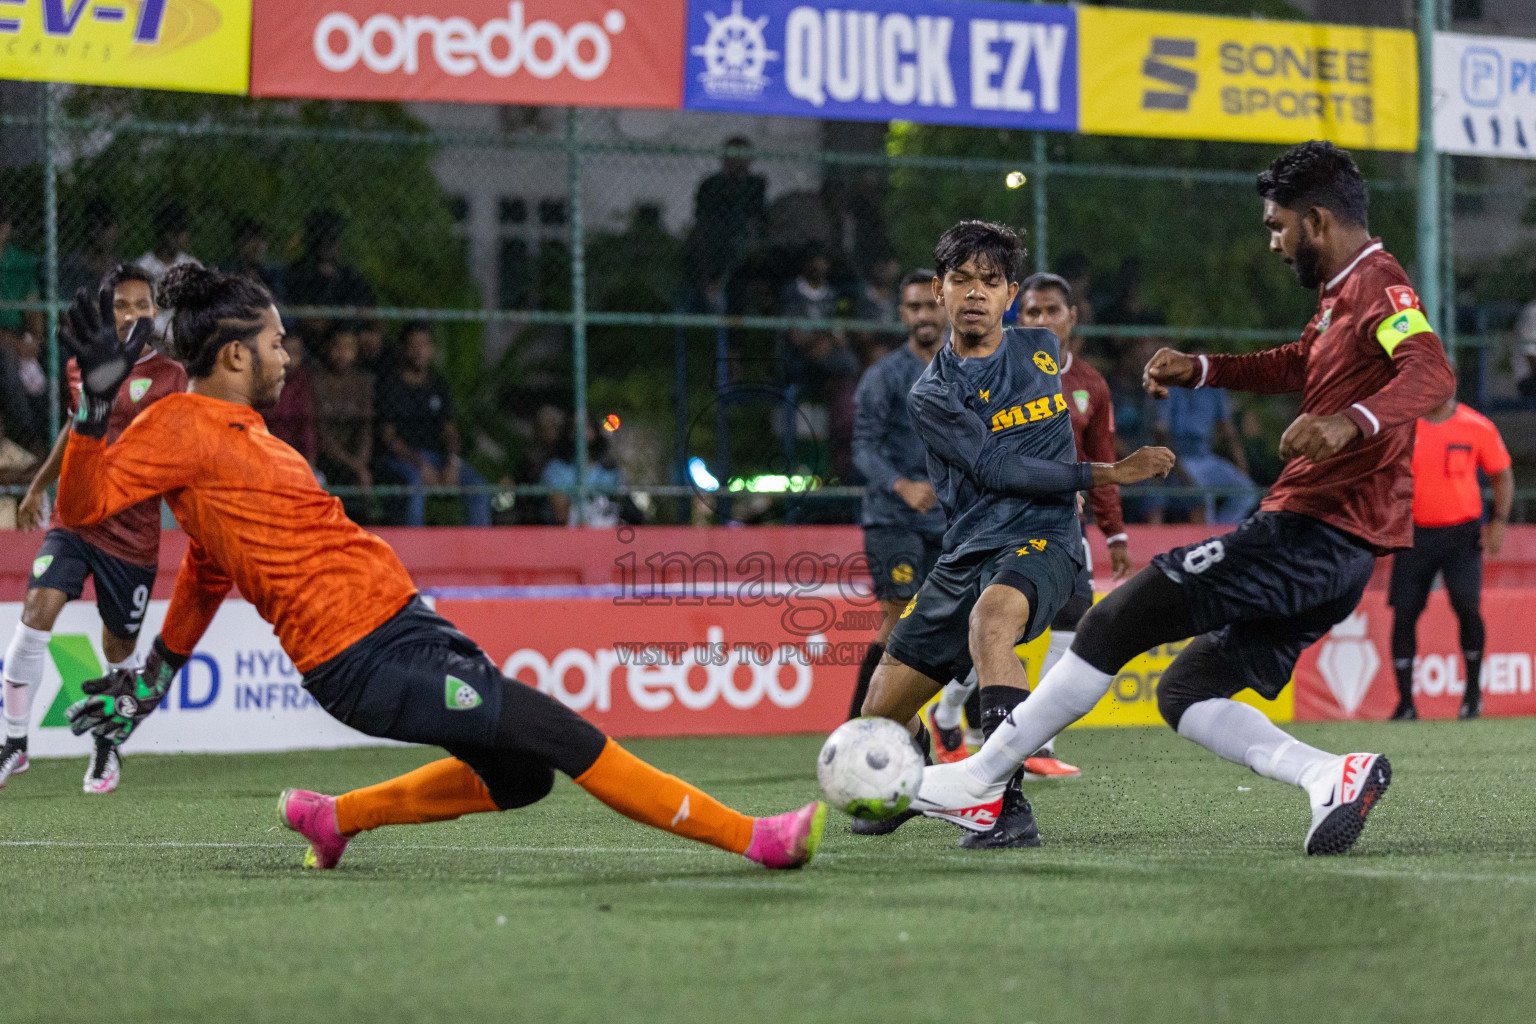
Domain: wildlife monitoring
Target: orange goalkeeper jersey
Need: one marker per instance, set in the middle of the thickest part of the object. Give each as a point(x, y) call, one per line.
point(256, 517)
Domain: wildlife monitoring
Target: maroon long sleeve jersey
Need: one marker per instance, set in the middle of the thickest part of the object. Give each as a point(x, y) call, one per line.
point(1093, 427)
point(1370, 354)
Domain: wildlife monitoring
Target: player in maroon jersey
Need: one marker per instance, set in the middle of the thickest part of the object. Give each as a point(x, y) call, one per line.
point(122, 553)
point(1367, 365)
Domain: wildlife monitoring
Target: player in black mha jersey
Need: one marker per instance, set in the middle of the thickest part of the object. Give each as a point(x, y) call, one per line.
point(1002, 459)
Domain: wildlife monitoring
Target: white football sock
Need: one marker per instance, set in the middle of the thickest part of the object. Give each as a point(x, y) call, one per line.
point(1068, 692)
point(1059, 644)
point(952, 699)
point(24, 662)
point(1241, 733)
point(128, 662)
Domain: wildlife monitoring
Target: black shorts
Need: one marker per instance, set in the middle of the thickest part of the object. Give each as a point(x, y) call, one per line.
point(122, 588)
point(1456, 551)
point(418, 679)
point(933, 633)
point(900, 559)
point(1081, 600)
point(1268, 590)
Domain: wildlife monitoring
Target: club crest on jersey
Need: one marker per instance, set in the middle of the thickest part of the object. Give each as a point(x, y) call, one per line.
point(1045, 362)
point(138, 388)
point(1081, 398)
point(902, 573)
point(1325, 320)
point(459, 695)
point(1402, 297)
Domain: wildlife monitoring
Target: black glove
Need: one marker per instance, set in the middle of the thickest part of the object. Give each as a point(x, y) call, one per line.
point(124, 697)
point(90, 334)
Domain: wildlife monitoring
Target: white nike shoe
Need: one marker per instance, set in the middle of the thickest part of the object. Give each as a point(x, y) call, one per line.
point(951, 793)
point(104, 769)
point(1342, 792)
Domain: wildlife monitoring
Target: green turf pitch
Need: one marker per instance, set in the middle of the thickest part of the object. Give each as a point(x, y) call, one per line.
point(1171, 888)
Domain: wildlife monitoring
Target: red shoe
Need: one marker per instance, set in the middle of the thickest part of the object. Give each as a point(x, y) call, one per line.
point(1045, 765)
point(948, 744)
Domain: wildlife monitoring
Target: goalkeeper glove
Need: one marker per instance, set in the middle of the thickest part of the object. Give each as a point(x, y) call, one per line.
point(90, 334)
point(124, 697)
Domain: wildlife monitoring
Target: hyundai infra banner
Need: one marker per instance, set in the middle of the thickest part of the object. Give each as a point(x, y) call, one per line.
point(591, 53)
point(932, 61)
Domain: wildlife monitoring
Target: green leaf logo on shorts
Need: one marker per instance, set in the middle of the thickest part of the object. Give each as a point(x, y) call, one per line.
point(138, 388)
point(459, 695)
point(40, 565)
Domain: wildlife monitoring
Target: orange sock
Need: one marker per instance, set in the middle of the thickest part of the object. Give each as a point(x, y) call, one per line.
point(652, 797)
point(440, 791)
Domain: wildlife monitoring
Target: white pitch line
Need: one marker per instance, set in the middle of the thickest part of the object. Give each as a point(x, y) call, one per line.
point(173, 845)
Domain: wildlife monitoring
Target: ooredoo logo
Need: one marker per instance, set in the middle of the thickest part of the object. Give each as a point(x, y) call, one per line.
point(386, 44)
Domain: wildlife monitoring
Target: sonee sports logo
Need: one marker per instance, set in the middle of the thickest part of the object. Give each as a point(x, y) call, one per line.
point(459, 695)
point(1182, 80)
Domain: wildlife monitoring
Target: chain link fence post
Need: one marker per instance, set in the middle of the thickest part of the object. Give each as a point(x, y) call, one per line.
point(578, 307)
point(51, 251)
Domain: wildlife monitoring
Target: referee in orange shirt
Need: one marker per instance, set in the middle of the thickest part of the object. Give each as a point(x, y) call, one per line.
point(1451, 444)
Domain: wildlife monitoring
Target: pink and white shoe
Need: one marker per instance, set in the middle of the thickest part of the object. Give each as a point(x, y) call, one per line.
point(1342, 793)
point(313, 816)
point(104, 769)
point(949, 792)
point(788, 840)
point(13, 760)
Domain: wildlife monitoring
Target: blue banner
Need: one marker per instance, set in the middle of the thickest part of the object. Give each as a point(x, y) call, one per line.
point(934, 61)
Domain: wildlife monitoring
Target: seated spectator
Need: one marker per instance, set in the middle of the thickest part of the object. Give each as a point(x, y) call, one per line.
point(1188, 421)
point(250, 237)
point(23, 370)
point(20, 279)
point(343, 415)
point(319, 277)
point(292, 419)
point(16, 468)
point(373, 356)
point(172, 239)
point(602, 471)
point(818, 364)
point(877, 301)
point(418, 437)
point(86, 266)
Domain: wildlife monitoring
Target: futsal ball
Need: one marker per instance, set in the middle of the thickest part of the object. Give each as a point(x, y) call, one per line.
point(869, 768)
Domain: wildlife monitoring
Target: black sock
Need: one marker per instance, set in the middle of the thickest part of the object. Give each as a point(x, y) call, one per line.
point(16, 741)
point(923, 742)
point(973, 709)
point(866, 673)
point(1404, 669)
point(1474, 664)
point(996, 703)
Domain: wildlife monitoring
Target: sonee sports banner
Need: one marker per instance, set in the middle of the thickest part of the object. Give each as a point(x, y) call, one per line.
point(192, 45)
point(586, 53)
point(932, 61)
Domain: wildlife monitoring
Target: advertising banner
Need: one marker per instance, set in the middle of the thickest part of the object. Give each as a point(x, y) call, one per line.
point(1485, 95)
point(1349, 673)
point(589, 53)
point(191, 45)
point(932, 61)
point(1245, 80)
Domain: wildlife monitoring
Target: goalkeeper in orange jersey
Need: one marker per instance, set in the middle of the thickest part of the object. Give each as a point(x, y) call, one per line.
point(345, 610)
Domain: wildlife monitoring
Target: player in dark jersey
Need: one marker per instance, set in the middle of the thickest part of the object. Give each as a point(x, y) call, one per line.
point(121, 553)
point(1452, 443)
point(1367, 365)
point(1001, 458)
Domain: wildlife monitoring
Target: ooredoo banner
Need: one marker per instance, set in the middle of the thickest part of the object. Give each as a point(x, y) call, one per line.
point(933, 61)
point(192, 45)
point(595, 53)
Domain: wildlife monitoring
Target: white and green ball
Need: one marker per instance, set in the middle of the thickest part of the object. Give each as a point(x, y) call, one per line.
point(869, 768)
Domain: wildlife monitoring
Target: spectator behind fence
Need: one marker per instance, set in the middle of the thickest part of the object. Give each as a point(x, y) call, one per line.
point(319, 277)
point(728, 211)
point(1190, 419)
point(418, 437)
point(86, 266)
point(19, 279)
point(172, 240)
point(373, 356)
point(292, 419)
point(16, 468)
point(877, 301)
point(819, 365)
point(250, 262)
point(343, 415)
point(602, 471)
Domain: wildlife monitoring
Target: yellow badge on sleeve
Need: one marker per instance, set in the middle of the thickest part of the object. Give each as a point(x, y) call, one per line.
point(1401, 325)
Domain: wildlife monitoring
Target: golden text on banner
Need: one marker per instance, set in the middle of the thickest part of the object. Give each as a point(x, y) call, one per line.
point(1245, 80)
point(191, 45)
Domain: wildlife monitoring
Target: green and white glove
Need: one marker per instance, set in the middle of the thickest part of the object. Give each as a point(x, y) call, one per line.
point(123, 698)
